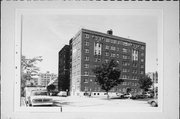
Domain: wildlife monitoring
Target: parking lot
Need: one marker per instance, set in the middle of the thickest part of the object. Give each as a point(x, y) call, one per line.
point(76, 104)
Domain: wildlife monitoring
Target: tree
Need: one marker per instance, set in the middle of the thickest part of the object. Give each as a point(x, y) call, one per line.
point(108, 76)
point(145, 83)
point(28, 69)
point(51, 87)
point(128, 90)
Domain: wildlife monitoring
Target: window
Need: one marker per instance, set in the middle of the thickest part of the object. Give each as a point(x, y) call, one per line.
point(142, 66)
point(125, 50)
point(142, 72)
point(113, 55)
point(126, 44)
point(124, 70)
point(85, 80)
point(106, 54)
point(86, 66)
point(113, 48)
point(86, 43)
point(117, 49)
point(125, 63)
point(86, 58)
point(86, 50)
point(125, 57)
point(134, 55)
point(142, 47)
point(119, 42)
point(107, 40)
point(107, 47)
point(99, 60)
point(142, 60)
point(86, 73)
point(96, 59)
point(106, 60)
point(97, 48)
point(134, 64)
point(86, 35)
point(142, 54)
point(117, 55)
point(113, 41)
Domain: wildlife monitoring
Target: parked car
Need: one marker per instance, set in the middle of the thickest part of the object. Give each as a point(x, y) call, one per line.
point(147, 94)
point(127, 95)
point(153, 102)
point(62, 94)
point(138, 96)
point(39, 97)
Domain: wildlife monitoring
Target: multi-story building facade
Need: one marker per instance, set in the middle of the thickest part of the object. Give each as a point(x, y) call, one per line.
point(64, 69)
point(45, 78)
point(89, 49)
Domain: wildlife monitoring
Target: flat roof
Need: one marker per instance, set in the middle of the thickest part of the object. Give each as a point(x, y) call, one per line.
point(111, 36)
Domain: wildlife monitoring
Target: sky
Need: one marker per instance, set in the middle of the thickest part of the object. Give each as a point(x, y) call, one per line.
point(45, 35)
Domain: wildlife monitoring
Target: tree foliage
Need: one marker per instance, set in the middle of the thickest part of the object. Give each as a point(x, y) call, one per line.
point(108, 75)
point(51, 87)
point(145, 83)
point(29, 65)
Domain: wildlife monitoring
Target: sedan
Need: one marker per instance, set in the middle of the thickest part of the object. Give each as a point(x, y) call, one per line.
point(153, 102)
point(39, 98)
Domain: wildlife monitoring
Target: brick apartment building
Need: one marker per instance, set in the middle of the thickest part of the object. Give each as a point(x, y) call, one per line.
point(64, 69)
point(89, 49)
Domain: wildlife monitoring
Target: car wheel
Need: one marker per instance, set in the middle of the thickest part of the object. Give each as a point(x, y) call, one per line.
point(153, 104)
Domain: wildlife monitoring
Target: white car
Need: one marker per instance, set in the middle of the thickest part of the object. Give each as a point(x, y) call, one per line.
point(62, 94)
point(127, 95)
point(39, 97)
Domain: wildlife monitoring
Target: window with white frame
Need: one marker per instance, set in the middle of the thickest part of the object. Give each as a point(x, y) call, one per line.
point(119, 42)
point(142, 47)
point(142, 54)
point(86, 43)
point(106, 60)
point(86, 50)
point(142, 72)
point(113, 41)
point(117, 55)
point(107, 47)
point(124, 50)
point(135, 55)
point(142, 60)
point(107, 40)
point(86, 35)
point(97, 48)
point(86, 65)
point(106, 54)
point(86, 73)
point(86, 58)
point(113, 55)
point(86, 80)
point(142, 66)
point(113, 48)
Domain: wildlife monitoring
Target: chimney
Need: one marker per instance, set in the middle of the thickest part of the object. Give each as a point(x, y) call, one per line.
point(110, 32)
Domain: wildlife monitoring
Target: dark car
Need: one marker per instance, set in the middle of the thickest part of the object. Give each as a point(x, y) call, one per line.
point(138, 96)
point(153, 102)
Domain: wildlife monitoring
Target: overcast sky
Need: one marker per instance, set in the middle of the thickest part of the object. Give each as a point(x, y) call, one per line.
point(45, 35)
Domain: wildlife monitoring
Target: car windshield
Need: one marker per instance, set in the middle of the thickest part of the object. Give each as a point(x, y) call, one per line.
point(39, 93)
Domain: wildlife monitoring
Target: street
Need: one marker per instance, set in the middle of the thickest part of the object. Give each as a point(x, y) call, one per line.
point(86, 104)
